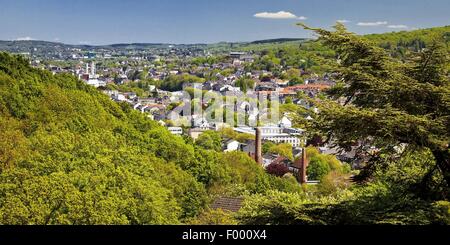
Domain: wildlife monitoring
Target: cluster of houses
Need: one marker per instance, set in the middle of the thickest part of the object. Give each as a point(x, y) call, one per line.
point(159, 104)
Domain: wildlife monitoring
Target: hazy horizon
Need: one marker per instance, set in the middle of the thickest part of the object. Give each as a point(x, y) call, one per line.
point(155, 43)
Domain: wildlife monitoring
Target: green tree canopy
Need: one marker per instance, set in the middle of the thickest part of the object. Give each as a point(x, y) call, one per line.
point(210, 140)
point(388, 104)
point(283, 149)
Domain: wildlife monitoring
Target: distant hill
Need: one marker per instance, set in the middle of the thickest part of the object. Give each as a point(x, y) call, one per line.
point(396, 41)
point(278, 40)
point(399, 44)
point(257, 45)
point(409, 36)
point(27, 46)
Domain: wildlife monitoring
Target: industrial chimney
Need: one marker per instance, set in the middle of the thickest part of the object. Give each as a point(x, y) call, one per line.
point(302, 165)
point(258, 147)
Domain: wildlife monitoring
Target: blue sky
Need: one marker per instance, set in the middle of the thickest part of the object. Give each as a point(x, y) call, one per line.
point(206, 21)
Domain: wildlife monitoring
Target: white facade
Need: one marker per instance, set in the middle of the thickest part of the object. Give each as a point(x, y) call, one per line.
point(283, 138)
point(275, 134)
point(96, 83)
point(175, 130)
point(285, 122)
point(231, 145)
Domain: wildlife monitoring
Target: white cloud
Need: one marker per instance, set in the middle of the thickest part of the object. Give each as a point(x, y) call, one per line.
point(398, 26)
point(24, 39)
point(343, 21)
point(56, 39)
point(377, 23)
point(84, 42)
point(279, 15)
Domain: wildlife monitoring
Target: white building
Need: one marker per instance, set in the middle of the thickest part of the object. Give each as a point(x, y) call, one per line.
point(276, 134)
point(93, 78)
point(231, 145)
point(175, 130)
point(285, 122)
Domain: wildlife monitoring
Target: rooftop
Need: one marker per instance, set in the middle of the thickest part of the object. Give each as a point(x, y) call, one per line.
point(232, 204)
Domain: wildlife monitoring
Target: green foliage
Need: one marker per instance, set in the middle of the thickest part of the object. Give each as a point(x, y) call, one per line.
point(401, 44)
point(321, 164)
point(287, 183)
point(371, 204)
point(208, 168)
point(309, 55)
point(175, 82)
point(85, 160)
point(396, 196)
point(274, 208)
point(79, 158)
point(283, 149)
point(70, 155)
point(13, 145)
point(210, 140)
point(333, 182)
point(229, 133)
point(214, 217)
point(409, 128)
point(141, 87)
point(317, 168)
point(267, 145)
point(288, 100)
point(293, 75)
point(245, 170)
point(267, 61)
point(415, 116)
point(245, 84)
point(442, 211)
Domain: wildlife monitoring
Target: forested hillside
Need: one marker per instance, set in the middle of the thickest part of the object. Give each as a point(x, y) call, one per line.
point(70, 155)
point(400, 44)
point(402, 38)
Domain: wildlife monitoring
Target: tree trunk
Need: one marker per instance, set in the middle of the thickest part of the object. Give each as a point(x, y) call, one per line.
point(442, 158)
